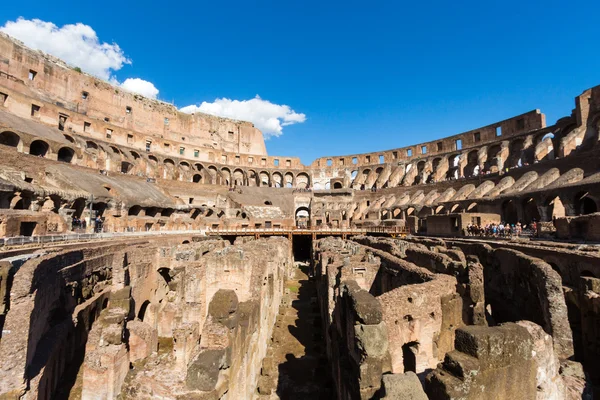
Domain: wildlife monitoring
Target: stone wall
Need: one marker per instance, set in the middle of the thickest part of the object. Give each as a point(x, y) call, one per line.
point(59, 89)
point(139, 319)
point(490, 362)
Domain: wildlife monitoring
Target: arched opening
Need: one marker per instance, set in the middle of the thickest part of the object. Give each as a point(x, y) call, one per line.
point(277, 180)
point(99, 208)
point(38, 148)
point(268, 203)
point(78, 206)
point(409, 355)
point(302, 217)
point(10, 139)
point(584, 204)
point(420, 173)
point(264, 179)
point(167, 212)
point(288, 179)
point(453, 166)
point(126, 167)
point(472, 167)
point(23, 202)
point(197, 178)
point(196, 213)
point(238, 177)
point(252, 178)
point(169, 163)
point(493, 159)
point(134, 210)
point(302, 181)
point(89, 145)
point(516, 159)
point(135, 155)
point(165, 272)
point(509, 212)
point(152, 159)
point(337, 185)
point(184, 166)
point(69, 138)
point(212, 170)
point(143, 310)
point(555, 267)
point(65, 154)
point(530, 210)
point(435, 164)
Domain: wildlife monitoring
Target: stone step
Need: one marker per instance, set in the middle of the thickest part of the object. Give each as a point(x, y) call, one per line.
point(460, 364)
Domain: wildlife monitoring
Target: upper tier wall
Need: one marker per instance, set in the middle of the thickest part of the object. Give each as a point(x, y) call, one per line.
point(520, 124)
point(34, 77)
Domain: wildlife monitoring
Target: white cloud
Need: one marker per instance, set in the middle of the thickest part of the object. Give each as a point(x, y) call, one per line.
point(77, 44)
point(268, 117)
point(140, 86)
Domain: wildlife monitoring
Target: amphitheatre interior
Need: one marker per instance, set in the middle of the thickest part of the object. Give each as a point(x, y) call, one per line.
point(152, 254)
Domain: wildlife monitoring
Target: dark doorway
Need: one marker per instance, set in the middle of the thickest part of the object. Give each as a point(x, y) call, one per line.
point(38, 148)
point(9, 139)
point(27, 228)
point(409, 355)
point(509, 212)
point(65, 154)
point(302, 246)
point(588, 206)
point(143, 308)
point(530, 211)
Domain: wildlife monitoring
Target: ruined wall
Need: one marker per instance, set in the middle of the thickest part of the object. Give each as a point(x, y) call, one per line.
point(29, 76)
point(354, 331)
point(76, 320)
point(478, 369)
point(437, 299)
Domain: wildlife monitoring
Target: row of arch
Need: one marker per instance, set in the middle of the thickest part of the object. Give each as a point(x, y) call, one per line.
point(37, 147)
point(527, 209)
point(490, 159)
point(166, 168)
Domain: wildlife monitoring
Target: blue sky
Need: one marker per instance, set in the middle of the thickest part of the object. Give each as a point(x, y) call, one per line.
point(367, 75)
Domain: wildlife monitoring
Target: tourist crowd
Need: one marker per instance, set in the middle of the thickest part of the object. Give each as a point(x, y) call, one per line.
point(501, 230)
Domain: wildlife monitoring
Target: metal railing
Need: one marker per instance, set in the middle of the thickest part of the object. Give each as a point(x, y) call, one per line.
point(73, 237)
point(45, 239)
point(323, 230)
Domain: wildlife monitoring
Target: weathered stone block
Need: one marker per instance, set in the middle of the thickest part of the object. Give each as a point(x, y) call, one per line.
point(402, 387)
point(203, 372)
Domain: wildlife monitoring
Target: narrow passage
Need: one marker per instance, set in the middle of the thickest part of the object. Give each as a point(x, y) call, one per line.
point(296, 364)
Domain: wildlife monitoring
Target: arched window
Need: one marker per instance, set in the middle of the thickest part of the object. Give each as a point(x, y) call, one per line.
point(65, 154)
point(10, 139)
point(38, 148)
